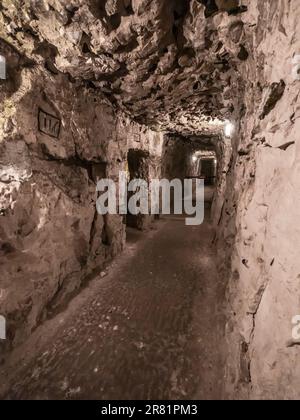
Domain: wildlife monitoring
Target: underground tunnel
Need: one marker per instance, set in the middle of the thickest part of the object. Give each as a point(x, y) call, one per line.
point(127, 305)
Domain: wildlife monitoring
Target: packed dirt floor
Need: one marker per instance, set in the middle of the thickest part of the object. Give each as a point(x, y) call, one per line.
point(151, 327)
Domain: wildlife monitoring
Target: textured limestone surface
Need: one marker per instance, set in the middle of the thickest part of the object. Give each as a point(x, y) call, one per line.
point(57, 139)
point(260, 217)
point(161, 61)
point(90, 80)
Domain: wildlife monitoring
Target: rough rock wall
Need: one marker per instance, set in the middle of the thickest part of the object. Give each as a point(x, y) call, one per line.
point(57, 138)
point(175, 154)
point(223, 150)
point(159, 60)
point(144, 157)
point(260, 219)
point(51, 235)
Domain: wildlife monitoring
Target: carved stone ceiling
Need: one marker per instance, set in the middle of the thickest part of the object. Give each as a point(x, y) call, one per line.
point(170, 64)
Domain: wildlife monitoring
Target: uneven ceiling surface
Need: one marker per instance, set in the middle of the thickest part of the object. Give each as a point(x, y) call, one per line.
point(168, 63)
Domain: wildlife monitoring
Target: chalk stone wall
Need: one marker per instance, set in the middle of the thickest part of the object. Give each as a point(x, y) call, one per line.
point(260, 219)
point(57, 138)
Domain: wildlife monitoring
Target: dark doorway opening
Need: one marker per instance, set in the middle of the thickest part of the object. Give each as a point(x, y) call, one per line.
point(208, 170)
point(138, 168)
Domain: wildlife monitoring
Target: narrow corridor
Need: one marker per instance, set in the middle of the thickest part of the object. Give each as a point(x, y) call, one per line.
point(102, 101)
point(151, 329)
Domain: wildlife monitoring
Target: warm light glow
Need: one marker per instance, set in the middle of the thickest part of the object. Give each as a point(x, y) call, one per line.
point(194, 158)
point(228, 128)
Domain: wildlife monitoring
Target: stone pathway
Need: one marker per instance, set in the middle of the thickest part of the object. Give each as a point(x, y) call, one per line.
point(152, 329)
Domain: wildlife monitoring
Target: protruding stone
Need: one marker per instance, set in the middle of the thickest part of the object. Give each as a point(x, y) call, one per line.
point(113, 7)
point(273, 94)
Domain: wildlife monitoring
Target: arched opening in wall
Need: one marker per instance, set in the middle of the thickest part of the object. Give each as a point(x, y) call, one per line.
point(193, 159)
point(138, 165)
point(204, 167)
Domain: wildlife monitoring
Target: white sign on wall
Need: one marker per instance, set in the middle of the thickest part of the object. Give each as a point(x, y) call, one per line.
point(296, 67)
point(2, 67)
point(2, 328)
point(296, 329)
